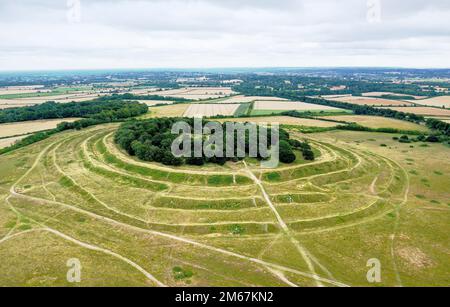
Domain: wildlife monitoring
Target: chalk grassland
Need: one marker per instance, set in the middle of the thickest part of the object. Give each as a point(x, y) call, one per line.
point(378, 122)
point(369, 101)
point(28, 127)
point(426, 111)
point(441, 101)
point(75, 195)
point(379, 94)
point(418, 243)
point(284, 120)
point(194, 93)
point(208, 110)
point(292, 105)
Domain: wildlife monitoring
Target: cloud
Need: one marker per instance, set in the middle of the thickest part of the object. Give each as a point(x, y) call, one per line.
point(37, 34)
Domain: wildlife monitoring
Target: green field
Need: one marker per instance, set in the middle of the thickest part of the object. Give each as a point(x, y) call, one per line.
point(130, 223)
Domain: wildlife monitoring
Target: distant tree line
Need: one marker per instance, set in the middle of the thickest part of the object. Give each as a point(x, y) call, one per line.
point(151, 140)
point(101, 109)
point(314, 86)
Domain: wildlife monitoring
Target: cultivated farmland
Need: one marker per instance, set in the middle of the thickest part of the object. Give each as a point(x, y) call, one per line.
point(176, 110)
point(378, 122)
point(285, 120)
point(152, 103)
point(440, 101)
point(9, 103)
point(208, 110)
point(292, 105)
point(20, 90)
point(28, 127)
point(247, 99)
point(200, 93)
point(426, 111)
point(370, 101)
point(379, 94)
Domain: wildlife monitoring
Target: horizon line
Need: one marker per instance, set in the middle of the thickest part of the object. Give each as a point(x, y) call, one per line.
point(194, 69)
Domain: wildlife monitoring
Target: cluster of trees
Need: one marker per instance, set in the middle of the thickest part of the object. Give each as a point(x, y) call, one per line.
point(99, 109)
point(439, 125)
point(305, 148)
point(420, 138)
point(356, 127)
point(151, 140)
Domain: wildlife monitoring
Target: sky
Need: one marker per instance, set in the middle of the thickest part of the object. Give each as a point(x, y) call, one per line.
point(107, 34)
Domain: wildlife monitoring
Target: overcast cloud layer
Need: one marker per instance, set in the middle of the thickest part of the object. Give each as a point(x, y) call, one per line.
point(50, 34)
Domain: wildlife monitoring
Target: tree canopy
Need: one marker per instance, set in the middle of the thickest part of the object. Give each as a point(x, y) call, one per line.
point(151, 140)
point(99, 109)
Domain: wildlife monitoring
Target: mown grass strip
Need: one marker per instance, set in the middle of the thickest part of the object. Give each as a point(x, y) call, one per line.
point(197, 204)
point(174, 177)
point(122, 179)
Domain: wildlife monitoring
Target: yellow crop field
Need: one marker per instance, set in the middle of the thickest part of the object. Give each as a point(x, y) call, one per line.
point(284, 120)
point(176, 110)
point(207, 110)
point(291, 105)
point(247, 99)
point(369, 101)
point(20, 128)
point(194, 93)
point(379, 94)
point(378, 122)
point(21, 102)
point(440, 101)
point(426, 111)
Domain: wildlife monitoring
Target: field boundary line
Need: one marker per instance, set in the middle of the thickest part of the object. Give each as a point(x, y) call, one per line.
point(284, 227)
point(106, 251)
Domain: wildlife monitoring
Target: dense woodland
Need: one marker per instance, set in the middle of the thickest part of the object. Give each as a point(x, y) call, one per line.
point(151, 140)
point(101, 109)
